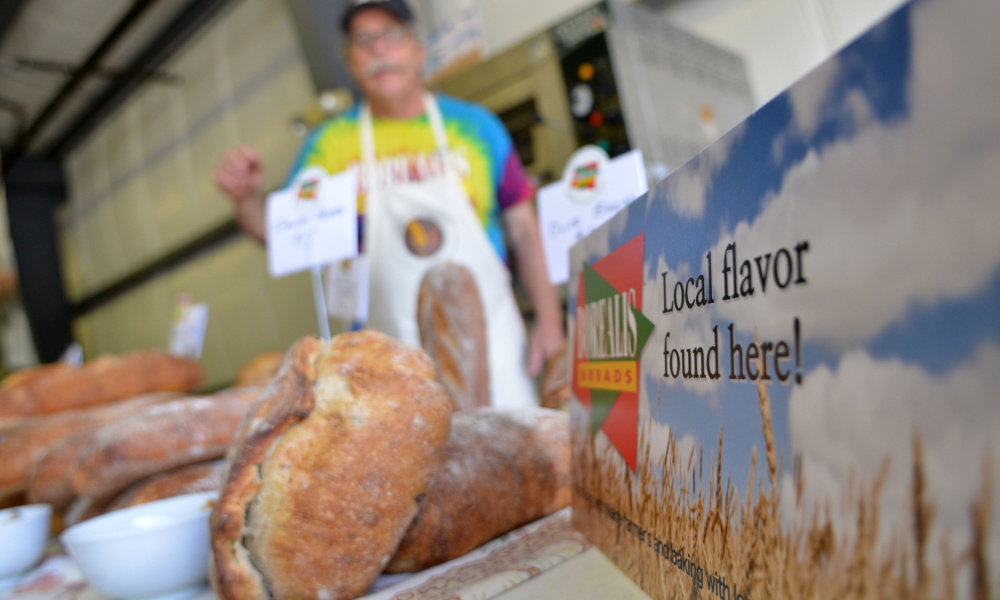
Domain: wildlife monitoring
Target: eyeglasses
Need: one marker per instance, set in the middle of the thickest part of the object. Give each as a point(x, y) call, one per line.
point(392, 36)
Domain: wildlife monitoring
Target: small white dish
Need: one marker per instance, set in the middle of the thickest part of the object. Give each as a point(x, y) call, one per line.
point(24, 532)
point(156, 550)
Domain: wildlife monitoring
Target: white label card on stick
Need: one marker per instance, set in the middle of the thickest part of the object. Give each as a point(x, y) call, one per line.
point(593, 189)
point(312, 222)
point(347, 290)
point(187, 330)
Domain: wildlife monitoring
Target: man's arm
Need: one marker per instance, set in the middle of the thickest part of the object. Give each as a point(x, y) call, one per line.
point(240, 176)
point(526, 245)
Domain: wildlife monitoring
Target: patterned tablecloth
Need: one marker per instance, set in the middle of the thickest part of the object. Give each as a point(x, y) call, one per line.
point(481, 574)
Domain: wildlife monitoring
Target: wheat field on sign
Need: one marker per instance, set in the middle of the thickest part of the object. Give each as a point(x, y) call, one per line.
point(681, 532)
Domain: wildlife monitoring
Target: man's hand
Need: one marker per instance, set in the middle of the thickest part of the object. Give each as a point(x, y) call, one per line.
point(526, 244)
point(546, 339)
point(240, 176)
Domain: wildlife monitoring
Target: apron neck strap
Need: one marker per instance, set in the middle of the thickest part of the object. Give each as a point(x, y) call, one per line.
point(368, 134)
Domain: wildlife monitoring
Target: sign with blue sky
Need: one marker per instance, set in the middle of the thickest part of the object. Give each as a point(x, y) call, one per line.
point(824, 288)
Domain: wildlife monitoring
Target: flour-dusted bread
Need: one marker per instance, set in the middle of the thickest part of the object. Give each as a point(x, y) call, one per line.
point(51, 480)
point(453, 332)
point(201, 477)
point(502, 469)
point(100, 381)
point(23, 445)
point(328, 469)
point(260, 370)
point(159, 438)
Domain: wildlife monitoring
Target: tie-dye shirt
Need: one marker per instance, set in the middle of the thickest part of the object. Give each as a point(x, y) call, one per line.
point(479, 149)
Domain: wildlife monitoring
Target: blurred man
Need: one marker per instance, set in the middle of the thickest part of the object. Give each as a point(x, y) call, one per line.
point(436, 177)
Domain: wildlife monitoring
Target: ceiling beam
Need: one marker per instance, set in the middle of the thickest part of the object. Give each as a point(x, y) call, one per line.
point(69, 88)
point(149, 59)
point(9, 10)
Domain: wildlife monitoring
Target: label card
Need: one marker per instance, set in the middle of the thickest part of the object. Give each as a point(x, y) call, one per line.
point(72, 355)
point(312, 222)
point(592, 190)
point(347, 290)
point(187, 331)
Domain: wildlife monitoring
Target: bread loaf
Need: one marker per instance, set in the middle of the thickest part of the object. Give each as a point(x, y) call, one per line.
point(328, 469)
point(502, 469)
point(24, 445)
point(30, 374)
point(201, 477)
point(261, 370)
point(453, 333)
point(100, 381)
point(162, 437)
point(556, 378)
point(51, 481)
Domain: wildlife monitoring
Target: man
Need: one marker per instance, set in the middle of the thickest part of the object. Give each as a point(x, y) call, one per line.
point(435, 173)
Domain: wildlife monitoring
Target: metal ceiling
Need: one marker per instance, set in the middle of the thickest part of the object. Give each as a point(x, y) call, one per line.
point(65, 65)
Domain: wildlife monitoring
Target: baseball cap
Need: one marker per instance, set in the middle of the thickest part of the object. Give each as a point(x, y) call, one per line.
point(396, 8)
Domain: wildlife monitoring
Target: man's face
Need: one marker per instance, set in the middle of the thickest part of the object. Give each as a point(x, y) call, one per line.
point(384, 56)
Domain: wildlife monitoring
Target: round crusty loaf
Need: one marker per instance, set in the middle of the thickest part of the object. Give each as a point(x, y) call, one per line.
point(328, 469)
point(502, 469)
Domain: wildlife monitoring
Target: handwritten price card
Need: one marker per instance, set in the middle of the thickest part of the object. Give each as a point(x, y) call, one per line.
point(592, 190)
point(313, 222)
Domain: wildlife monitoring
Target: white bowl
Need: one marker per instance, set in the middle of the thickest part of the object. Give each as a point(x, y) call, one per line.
point(146, 551)
point(24, 532)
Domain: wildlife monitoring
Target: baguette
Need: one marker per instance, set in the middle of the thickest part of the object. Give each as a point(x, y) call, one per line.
point(502, 470)
point(201, 477)
point(162, 437)
point(24, 445)
point(453, 333)
point(328, 469)
point(30, 374)
point(100, 381)
point(51, 481)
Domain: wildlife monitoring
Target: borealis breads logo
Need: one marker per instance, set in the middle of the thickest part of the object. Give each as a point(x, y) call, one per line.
point(585, 173)
point(585, 177)
point(610, 334)
point(309, 189)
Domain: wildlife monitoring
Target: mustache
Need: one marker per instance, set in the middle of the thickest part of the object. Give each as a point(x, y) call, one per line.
point(382, 64)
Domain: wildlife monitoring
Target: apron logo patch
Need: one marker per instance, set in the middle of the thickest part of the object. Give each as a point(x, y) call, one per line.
point(423, 237)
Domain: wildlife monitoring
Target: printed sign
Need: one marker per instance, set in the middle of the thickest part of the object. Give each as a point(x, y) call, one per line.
point(347, 290)
point(313, 222)
point(787, 353)
point(72, 355)
point(188, 327)
point(592, 190)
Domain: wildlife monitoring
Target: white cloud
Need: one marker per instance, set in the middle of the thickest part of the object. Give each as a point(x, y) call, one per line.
point(807, 100)
point(686, 190)
point(657, 434)
point(898, 216)
point(845, 422)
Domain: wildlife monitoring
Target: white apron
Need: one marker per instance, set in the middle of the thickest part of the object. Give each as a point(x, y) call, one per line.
point(396, 271)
